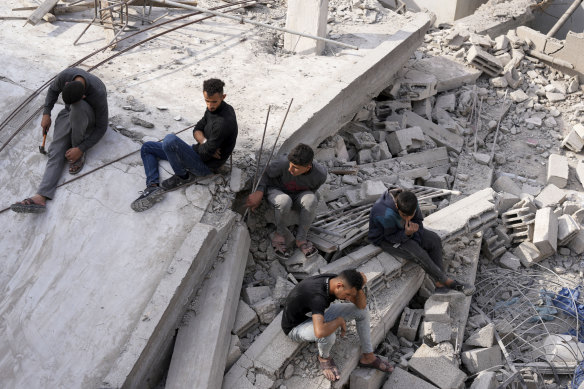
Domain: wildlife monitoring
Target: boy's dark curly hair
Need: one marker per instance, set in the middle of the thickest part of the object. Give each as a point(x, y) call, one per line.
point(301, 155)
point(213, 86)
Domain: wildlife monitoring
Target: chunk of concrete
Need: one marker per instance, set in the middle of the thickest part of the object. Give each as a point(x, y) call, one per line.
point(449, 74)
point(245, 319)
point(509, 261)
point(573, 142)
point(485, 380)
point(550, 196)
point(282, 289)
point(483, 337)
point(237, 180)
point(266, 310)
point(310, 17)
point(400, 379)
point(254, 294)
point(484, 61)
point(436, 332)
point(507, 185)
point(436, 368)
point(416, 85)
point(437, 133)
point(409, 323)
point(580, 171)
point(567, 229)
point(234, 352)
point(409, 139)
point(369, 192)
point(437, 311)
point(366, 378)
point(577, 243)
point(545, 234)
point(528, 254)
point(505, 201)
point(482, 358)
point(557, 171)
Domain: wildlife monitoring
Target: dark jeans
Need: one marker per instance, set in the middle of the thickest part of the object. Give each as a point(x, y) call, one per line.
point(181, 156)
point(428, 255)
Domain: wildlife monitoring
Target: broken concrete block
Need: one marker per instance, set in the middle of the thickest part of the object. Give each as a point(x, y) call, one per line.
point(366, 378)
point(505, 201)
point(527, 253)
point(577, 243)
point(423, 108)
point(580, 171)
point(440, 182)
point(369, 192)
point(362, 140)
point(282, 289)
point(234, 352)
point(509, 261)
point(520, 222)
point(567, 229)
point(482, 358)
point(485, 380)
point(492, 246)
point(365, 156)
point(573, 142)
point(545, 234)
point(245, 319)
point(436, 368)
point(484, 61)
point(449, 74)
point(324, 155)
point(557, 172)
point(437, 311)
point(254, 294)
point(550, 196)
point(409, 323)
point(518, 96)
point(350, 179)
point(400, 379)
point(237, 179)
point(411, 138)
point(266, 310)
point(341, 149)
point(446, 101)
point(436, 332)
point(416, 85)
point(437, 133)
point(554, 97)
point(482, 158)
point(506, 184)
point(484, 337)
point(384, 152)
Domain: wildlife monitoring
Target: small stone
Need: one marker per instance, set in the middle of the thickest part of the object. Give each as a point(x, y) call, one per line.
point(141, 122)
point(178, 118)
point(161, 108)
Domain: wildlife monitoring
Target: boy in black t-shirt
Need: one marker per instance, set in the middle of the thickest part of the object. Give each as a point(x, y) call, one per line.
point(314, 295)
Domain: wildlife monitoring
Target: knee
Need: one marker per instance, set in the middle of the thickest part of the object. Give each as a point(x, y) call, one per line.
point(362, 314)
point(283, 202)
point(309, 202)
point(169, 141)
point(145, 149)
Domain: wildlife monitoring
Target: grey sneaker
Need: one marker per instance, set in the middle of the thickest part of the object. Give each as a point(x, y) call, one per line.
point(150, 196)
point(176, 182)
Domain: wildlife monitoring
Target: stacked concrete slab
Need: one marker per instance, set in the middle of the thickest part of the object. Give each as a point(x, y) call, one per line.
point(201, 346)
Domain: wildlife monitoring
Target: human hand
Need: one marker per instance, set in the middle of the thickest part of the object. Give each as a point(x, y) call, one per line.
point(254, 200)
point(364, 278)
point(217, 154)
point(411, 228)
point(46, 123)
point(73, 154)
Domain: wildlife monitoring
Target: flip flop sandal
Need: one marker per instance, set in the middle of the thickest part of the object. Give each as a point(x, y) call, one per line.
point(28, 206)
point(75, 167)
point(329, 364)
point(280, 248)
point(377, 364)
point(308, 249)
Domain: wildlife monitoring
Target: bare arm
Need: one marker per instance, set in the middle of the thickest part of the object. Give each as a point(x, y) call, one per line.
point(199, 136)
point(322, 329)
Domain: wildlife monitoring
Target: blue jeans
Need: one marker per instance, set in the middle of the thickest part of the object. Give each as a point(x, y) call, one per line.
point(181, 156)
point(304, 332)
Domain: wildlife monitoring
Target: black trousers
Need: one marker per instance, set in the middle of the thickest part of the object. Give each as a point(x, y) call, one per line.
point(428, 255)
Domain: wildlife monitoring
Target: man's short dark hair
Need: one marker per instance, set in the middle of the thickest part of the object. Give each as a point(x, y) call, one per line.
point(407, 202)
point(73, 92)
point(301, 155)
point(352, 278)
point(213, 86)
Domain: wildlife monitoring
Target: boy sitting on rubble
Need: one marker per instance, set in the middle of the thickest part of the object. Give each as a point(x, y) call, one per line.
point(314, 295)
point(395, 224)
point(291, 181)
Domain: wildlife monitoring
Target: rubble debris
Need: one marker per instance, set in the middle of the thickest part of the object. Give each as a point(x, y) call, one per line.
point(436, 368)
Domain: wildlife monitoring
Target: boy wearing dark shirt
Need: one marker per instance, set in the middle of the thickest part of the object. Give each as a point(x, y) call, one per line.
point(291, 181)
point(215, 134)
point(395, 224)
point(314, 295)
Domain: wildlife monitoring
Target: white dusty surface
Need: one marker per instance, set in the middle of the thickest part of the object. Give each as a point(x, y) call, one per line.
point(75, 280)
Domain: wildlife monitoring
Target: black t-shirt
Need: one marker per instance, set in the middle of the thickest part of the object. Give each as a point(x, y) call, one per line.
point(310, 295)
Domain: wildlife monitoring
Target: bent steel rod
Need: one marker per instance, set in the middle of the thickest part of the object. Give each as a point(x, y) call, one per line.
point(243, 20)
point(38, 91)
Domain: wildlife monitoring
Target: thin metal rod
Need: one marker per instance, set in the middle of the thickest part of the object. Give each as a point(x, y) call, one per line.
point(259, 160)
point(549, 58)
point(243, 20)
point(505, 110)
point(563, 19)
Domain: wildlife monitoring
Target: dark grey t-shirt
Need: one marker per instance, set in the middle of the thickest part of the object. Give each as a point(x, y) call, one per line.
point(278, 176)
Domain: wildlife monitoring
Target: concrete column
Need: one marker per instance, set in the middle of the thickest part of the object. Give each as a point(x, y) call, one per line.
point(309, 17)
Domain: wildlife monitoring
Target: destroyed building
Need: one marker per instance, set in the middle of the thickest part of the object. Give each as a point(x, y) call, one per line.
point(475, 106)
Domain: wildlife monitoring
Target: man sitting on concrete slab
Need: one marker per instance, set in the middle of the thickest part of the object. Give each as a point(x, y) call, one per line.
point(314, 295)
point(78, 127)
point(215, 134)
point(291, 181)
point(395, 224)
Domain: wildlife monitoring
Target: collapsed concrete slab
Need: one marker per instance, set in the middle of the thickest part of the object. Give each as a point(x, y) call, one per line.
point(400, 379)
point(449, 73)
point(145, 354)
point(344, 97)
point(201, 346)
point(310, 17)
point(436, 368)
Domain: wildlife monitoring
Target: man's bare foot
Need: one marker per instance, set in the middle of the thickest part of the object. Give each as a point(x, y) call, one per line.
point(38, 199)
point(329, 369)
